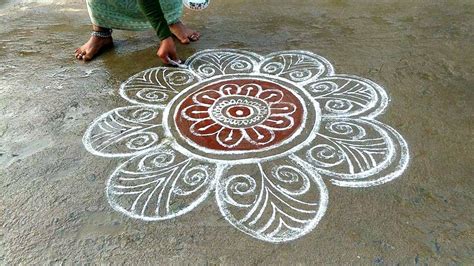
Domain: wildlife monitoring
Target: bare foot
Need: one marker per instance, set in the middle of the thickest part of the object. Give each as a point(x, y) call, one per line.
point(183, 33)
point(93, 47)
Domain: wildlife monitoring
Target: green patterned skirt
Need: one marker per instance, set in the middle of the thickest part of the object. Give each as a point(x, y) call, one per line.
point(126, 15)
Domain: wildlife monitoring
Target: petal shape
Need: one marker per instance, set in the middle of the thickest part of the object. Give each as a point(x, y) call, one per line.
point(271, 96)
point(228, 137)
point(356, 152)
point(259, 135)
point(125, 131)
point(348, 96)
point(205, 127)
point(282, 109)
point(209, 63)
point(195, 112)
point(230, 89)
point(296, 66)
point(275, 201)
point(157, 86)
point(276, 122)
point(250, 90)
point(160, 185)
point(207, 97)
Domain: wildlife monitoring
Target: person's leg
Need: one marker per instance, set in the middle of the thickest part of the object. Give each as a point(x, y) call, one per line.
point(184, 33)
point(106, 15)
point(173, 10)
point(97, 43)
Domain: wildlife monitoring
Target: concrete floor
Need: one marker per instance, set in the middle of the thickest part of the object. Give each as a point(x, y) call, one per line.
point(53, 205)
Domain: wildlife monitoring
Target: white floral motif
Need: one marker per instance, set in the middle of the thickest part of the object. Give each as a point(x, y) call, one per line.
point(261, 132)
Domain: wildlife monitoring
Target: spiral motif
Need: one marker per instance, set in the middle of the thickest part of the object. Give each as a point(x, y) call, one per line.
point(195, 175)
point(338, 106)
point(143, 141)
point(141, 115)
point(273, 67)
point(207, 70)
point(152, 95)
point(321, 88)
point(325, 155)
point(238, 188)
point(179, 78)
point(241, 65)
point(294, 182)
point(157, 160)
point(163, 159)
point(349, 130)
point(193, 179)
point(300, 75)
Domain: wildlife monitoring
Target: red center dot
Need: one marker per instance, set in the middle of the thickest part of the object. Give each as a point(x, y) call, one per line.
point(239, 111)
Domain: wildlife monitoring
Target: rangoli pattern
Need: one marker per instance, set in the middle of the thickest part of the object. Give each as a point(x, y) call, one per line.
point(261, 133)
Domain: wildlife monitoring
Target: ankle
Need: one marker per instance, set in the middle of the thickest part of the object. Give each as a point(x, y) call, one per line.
point(102, 34)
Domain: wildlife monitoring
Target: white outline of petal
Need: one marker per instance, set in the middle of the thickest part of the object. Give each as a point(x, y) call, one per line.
point(321, 211)
point(86, 139)
point(243, 53)
point(380, 109)
point(401, 166)
point(326, 63)
point(123, 91)
point(210, 188)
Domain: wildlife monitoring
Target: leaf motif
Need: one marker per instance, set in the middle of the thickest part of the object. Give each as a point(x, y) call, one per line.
point(356, 152)
point(274, 201)
point(348, 96)
point(297, 66)
point(157, 86)
point(160, 185)
point(210, 63)
point(124, 131)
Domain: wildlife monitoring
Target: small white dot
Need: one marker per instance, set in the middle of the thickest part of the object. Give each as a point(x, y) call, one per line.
point(239, 112)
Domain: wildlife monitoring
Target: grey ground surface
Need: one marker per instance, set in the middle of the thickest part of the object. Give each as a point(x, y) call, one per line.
point(53, 204)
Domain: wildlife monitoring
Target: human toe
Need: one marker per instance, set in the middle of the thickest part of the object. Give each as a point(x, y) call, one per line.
point(194, 36)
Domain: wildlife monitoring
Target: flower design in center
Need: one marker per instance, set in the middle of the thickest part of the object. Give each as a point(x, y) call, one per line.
point(239, 115)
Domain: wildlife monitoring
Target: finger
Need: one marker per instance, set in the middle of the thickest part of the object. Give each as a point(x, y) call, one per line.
point(164, 59)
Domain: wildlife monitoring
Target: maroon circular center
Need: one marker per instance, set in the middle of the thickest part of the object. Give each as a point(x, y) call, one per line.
point(239, 115)
point(239, 111)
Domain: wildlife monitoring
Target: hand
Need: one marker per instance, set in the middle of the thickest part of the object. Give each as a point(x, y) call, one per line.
point(167, 50)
